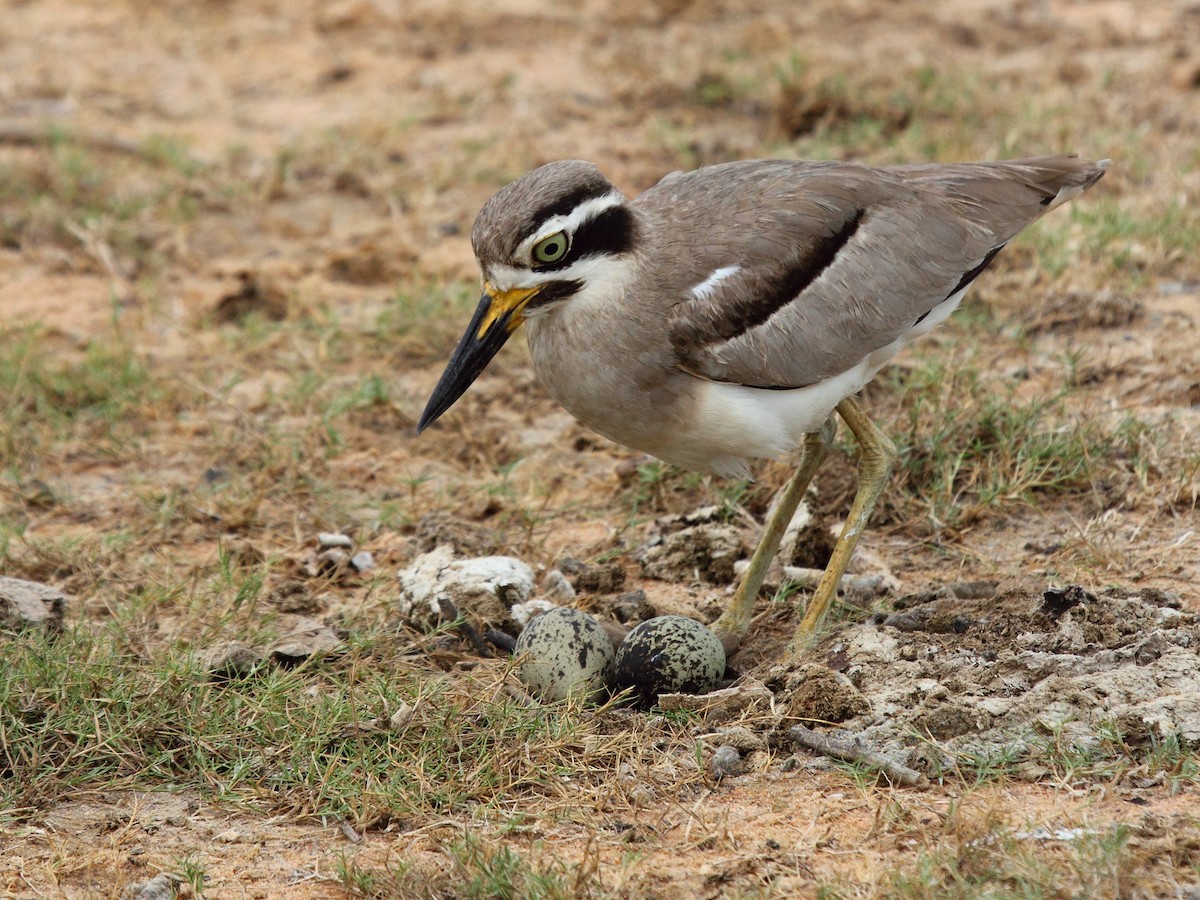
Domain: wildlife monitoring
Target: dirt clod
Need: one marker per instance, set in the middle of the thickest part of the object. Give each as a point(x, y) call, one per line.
point(814, 693)
point(998, 674)
point(692, 548)
point(437, 528)
point(255, 293)
point(231, 659)
point(594, 578)
point(305, 640)
point(812, 546)
point(29, 604)
point(1057, 601)
point(726, 761)
point(632, 607)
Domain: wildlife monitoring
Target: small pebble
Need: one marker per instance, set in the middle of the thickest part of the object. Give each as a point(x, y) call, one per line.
point(329, 562)
point(556, 588)
point(739, 737)
point(230, 659)
point(642, 795)
point(632, 606)
point(160, 887)
point(362, 561)
point(307, 639)
point(727, 761)
point(398, 721)
point(330, 539)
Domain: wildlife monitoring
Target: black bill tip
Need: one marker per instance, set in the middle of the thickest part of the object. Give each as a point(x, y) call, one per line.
point(468, 361)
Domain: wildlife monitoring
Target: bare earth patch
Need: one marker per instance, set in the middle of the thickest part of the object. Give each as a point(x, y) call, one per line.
point(233, 259)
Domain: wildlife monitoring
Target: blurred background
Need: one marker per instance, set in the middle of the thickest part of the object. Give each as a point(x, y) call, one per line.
point(234, 257)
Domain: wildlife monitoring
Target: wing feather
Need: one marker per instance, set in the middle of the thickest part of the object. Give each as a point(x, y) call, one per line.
point(835, 261)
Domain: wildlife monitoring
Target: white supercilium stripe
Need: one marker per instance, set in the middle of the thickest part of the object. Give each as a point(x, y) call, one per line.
point(570, 222)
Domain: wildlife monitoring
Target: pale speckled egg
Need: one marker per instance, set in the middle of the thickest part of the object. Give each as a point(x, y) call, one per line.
point(565, 652)
point(670, 654)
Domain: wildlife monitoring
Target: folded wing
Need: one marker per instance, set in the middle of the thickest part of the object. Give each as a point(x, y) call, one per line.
point(820, 264)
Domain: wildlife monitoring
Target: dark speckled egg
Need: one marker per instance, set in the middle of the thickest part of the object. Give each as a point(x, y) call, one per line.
point(564, 651)
point(670, 654)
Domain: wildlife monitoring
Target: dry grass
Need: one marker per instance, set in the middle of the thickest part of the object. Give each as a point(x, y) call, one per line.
point(216, 343)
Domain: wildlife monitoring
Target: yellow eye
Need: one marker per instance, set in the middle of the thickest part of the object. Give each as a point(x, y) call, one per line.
point(551, 249)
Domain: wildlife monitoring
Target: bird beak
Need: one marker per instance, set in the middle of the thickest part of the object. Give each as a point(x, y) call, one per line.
point(498, 315)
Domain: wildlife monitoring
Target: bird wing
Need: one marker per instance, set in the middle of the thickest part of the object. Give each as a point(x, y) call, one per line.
point(807, 268)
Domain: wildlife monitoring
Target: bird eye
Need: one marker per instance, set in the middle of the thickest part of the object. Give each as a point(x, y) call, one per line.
point(551, 249)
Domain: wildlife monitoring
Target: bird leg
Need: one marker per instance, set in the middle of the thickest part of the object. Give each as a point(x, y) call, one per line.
point(878, 454)
point(732, 625)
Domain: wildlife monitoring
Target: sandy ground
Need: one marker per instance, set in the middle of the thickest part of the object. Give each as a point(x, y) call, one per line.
point(402, 118)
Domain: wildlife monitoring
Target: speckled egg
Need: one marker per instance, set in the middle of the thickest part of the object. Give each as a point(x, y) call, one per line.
point(565, 652)
point(670, 654)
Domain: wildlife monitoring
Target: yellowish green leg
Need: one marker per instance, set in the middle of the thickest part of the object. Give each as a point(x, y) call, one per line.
point(734, 622)
point(878, 454)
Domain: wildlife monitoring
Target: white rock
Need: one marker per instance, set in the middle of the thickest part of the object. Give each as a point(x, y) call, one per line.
point(437, 586)
point(400, 719)
point(30, 604)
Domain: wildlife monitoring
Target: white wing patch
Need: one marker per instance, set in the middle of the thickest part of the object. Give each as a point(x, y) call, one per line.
point(708, 287)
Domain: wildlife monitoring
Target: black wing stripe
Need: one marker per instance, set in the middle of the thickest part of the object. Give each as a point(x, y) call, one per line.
point(973, 274)
point(791, 283)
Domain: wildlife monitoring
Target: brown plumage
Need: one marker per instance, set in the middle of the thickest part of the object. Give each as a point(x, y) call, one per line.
point(917, 231)
point(725, 313)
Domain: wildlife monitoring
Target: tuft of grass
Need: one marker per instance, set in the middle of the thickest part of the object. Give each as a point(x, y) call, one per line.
point(1004, 861)
point(424, 320)
point(94, 710)
point(474, 867)
point(192, 872)
point(46, 398)
point(105, 384)
point(1131, 244)
point(659, 488)
point(102, 203)
point(970, 444)
point(1114, 758)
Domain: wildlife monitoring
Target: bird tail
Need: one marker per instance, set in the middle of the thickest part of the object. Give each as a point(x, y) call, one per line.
point(1071, 175)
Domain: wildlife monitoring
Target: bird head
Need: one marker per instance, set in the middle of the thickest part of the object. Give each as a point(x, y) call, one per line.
point(540, 241)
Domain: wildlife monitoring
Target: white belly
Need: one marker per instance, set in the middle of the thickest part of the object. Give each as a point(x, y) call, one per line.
point(732, 423)
point(706, 426)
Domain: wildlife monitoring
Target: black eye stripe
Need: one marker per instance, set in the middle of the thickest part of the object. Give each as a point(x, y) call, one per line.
point(610, 233)
point(554, 291)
